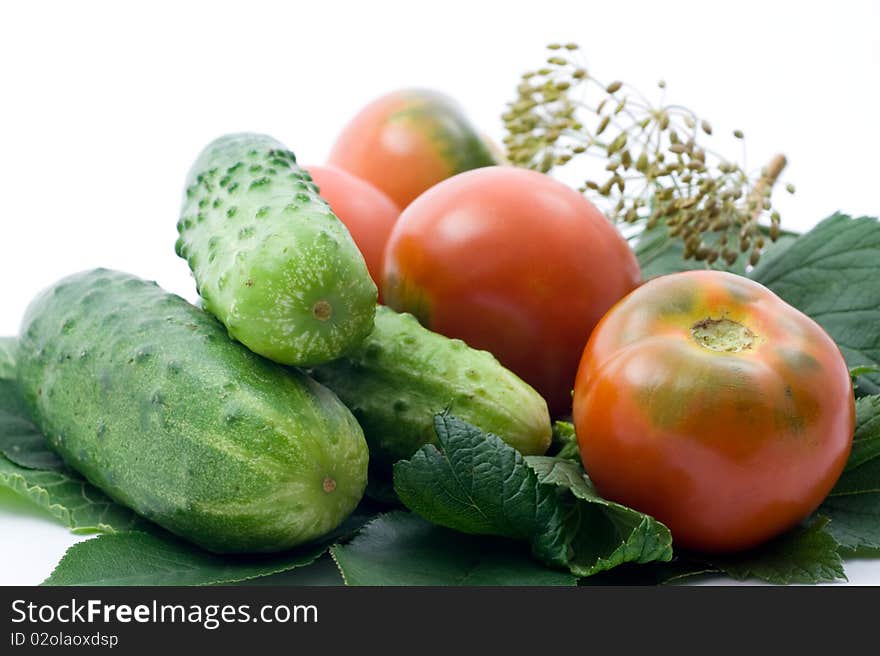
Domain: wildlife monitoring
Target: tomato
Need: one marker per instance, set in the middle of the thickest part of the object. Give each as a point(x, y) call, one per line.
point(407, 141)
point(705, 400)
point(368, 214)
point(514, 262)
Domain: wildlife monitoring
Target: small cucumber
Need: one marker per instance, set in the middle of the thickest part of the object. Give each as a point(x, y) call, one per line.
point(403, 374)
point(270, 258)
point(148, 398)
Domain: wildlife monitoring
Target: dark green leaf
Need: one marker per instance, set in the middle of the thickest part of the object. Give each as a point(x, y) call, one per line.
point(862, 471)
point(323, 572)
point(402, 549)
point(601, 534)
point(155, 557)
point(475, 483)
point(68, 498)
point(830, 274)
point(807, 554)
point(7, 357)
point(854, 504)
point(855, 523)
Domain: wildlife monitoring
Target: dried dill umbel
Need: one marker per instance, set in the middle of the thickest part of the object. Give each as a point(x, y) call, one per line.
point(652, 165)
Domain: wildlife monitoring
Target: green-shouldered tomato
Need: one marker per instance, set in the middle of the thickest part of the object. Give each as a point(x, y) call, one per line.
point(407, 141)
point(368, 213)
point(514, 262)
point(705, 400)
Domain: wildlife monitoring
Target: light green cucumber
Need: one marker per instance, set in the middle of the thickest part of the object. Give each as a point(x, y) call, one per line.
point(270, 258)
point(403, 374)
point(148, 398)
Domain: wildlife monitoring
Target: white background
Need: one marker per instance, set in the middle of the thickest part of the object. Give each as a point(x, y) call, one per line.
point(103, 106)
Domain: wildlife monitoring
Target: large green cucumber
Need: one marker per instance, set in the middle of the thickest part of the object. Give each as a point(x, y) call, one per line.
point(403, 374)
point(270, 258)
point(150, 400)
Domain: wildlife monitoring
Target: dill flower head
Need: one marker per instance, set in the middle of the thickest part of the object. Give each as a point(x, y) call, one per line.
point(656, 166)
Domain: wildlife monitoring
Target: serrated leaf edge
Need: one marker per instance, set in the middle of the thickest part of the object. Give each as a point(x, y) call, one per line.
point(40, 497)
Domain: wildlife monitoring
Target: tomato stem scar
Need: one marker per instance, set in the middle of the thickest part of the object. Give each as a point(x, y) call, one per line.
point(722, 335)
point(329, 485)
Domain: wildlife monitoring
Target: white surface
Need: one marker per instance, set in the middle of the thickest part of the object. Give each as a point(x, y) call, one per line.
point(105, 106)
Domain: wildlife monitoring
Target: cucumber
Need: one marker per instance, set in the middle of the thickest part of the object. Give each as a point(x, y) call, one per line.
point(148, 398)
point(270, 258)
point(403, 374)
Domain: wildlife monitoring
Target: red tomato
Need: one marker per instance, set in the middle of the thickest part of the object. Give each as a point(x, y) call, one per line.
point(408, 141)
point(513, 262)
point(705, 400)
point(368, 214)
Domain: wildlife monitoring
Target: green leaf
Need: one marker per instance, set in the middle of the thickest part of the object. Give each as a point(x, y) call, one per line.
point(139, 558)
point(68, 498)
point(808, 554)
point(564, 442)
point(7, 357)
point(602, 534)
point(21, 441)
point(855, 523)
point(862, 472)
point(474, 483)
point(400, 548)
point(477, 484)
point(854, 504)
point(322, 572)
point(155, 557)
point(830, 274)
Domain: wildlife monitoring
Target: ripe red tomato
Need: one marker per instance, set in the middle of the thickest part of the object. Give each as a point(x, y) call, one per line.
point(513, 262)
point(408, 141)
point(705, 400)
point(368, 214)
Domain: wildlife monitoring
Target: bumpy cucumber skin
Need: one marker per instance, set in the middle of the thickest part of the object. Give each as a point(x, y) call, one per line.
point(403, 374)
point(150, 400)
point(270, 258)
